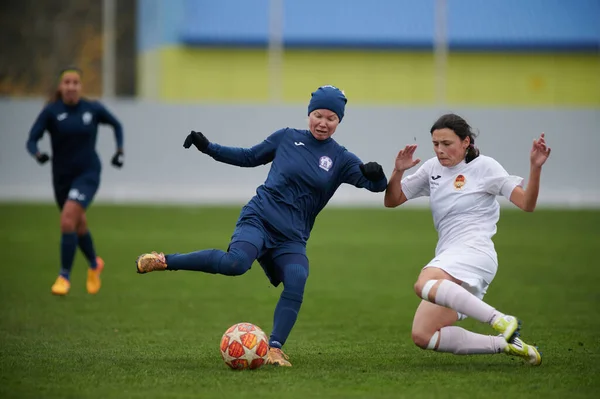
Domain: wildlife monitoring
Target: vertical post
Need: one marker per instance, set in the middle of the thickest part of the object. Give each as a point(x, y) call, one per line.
point(108, 48)
point(275, 51)
point(441, 51)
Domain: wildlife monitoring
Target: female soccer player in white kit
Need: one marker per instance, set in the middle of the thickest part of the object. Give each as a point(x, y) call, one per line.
point(462, 186)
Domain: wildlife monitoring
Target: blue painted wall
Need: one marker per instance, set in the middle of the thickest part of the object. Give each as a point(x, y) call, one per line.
point(472, 24)
point(524, 23)
point(159, 23)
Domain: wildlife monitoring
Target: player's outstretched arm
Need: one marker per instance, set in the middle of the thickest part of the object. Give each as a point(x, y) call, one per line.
point(526, 199)
point(260, 154)
point(368, 175)
point(404, 161)
point(375, 176)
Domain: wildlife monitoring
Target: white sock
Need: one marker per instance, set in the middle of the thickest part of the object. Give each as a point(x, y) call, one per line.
point(453, 296)
point(459, 341)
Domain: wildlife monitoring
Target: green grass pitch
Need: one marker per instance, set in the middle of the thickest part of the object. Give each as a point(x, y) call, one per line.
point(157, 335)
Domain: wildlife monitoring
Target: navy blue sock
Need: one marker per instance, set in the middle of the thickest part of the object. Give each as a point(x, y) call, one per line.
point(87, 247)
point(290, 301)
point(234, 262)
point(68, 246)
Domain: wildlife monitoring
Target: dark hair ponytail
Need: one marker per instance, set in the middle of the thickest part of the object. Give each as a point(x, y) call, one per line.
point(472, 151)
point(461, 128)
point(54, 96)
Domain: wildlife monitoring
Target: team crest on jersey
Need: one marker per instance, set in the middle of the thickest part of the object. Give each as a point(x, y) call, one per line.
point(459, 182)
point(325, 163)
point(87, 118)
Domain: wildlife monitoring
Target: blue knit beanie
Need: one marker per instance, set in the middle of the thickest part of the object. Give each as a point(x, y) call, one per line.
point(328, 97)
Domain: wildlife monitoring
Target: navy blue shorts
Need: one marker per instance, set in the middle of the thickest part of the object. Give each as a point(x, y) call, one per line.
point(81, 188)
point(269, 244)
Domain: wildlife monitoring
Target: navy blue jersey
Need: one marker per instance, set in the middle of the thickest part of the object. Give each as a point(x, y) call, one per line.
point(73, 130)
point(304, 175)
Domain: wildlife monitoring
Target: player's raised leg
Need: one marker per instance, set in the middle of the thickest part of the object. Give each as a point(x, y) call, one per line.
point(237, 260)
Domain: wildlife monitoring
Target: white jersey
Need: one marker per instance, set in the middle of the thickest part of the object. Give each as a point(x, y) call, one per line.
point(463, 200)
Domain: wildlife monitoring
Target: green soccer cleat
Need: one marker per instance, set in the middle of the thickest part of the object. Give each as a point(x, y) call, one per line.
point(529, 353)
point(507, 326)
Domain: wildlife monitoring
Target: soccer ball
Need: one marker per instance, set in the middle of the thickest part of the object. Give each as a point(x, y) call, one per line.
point(244, 346)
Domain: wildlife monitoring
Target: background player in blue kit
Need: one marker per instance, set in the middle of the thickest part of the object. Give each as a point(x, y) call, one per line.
point(72, 122)
point(307, 168)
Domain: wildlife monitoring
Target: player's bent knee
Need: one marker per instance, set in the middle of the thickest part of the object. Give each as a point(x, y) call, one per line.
point(417, 288)
point(423, 288)
point(81, 230)
point(292, 295)
point(294, 281)
point(295, 274)
point(82, 226)
point(71, 216)
point(68, 223)
point(235, 263)
point(420, 339)
point(425, 340)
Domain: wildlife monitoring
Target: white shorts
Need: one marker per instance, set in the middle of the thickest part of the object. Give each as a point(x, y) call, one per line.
point(474, 268)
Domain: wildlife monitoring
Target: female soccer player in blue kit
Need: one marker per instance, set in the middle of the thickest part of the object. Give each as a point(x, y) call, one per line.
point(307, 168)
point(72, 122)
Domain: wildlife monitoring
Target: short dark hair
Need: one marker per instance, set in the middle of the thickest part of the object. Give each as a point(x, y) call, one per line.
point(462, 129)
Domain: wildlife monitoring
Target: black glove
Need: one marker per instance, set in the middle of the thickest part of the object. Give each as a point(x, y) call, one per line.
point(197, 139)
point(117, 159)
point(42, 158)
point(372, 171)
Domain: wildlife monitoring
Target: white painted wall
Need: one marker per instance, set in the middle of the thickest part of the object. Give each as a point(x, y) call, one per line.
point(158, 169)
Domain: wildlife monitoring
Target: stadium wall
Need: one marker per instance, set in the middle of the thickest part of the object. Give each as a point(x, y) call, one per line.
point(158, 169)
point(534, 53)
point(382, 77)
